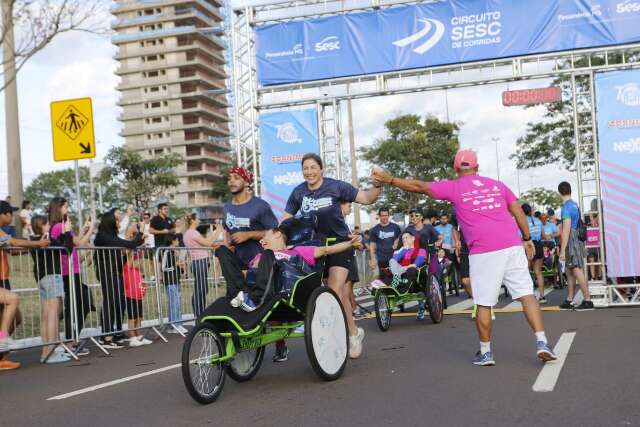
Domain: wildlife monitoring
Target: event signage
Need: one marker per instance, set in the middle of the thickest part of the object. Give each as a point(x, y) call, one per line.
point(285, 137)
point(531, 96)
point(618, 120)
point(440, 33)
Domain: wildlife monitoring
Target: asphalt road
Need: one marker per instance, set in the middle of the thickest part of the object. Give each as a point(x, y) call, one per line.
point(415, 374)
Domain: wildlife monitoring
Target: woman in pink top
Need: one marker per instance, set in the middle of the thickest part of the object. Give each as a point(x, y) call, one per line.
point(198, 246)
point(61, 224)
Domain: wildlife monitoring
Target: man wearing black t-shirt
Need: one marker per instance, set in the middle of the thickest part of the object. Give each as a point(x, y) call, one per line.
point(161, 225)
point(383, 240)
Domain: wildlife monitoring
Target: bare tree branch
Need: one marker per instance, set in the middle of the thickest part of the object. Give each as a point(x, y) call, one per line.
point(37, 22)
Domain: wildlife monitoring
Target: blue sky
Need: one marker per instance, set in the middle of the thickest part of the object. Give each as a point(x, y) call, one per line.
point(82, 65)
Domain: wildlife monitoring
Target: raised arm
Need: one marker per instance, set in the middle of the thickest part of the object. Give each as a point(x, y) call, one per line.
point(411, 185)
point(368, 197)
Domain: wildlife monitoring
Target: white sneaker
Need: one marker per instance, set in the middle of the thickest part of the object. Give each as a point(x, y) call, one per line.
point(182, 329)
point(355, 344)
point(238, 300)
point(144, 341)
point(135, 342)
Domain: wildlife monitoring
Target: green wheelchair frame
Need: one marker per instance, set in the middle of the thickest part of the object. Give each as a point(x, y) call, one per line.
point(223, 346)
point(387, 298)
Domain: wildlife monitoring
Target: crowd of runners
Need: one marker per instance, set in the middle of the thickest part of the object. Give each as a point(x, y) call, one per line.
point(491, 240)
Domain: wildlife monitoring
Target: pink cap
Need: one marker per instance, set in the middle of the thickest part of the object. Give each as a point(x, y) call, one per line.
point(465, 159)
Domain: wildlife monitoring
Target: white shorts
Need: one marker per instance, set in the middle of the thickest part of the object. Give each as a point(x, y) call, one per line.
point(490, 270)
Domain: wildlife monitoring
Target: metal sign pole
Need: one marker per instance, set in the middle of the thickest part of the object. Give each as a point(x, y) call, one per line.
point(78, 195)
point(92, 194)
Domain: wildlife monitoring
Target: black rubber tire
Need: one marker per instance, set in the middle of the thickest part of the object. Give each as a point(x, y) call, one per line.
point(308, 334)
point(384, 322)
point(251, 372)
point(200, 329)
point(434, 299)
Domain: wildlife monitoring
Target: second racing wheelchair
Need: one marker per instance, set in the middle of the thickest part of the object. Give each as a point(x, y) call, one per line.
point(228, 341)
point(416, 281)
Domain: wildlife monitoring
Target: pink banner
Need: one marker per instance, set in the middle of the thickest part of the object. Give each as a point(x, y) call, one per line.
point(593, 238)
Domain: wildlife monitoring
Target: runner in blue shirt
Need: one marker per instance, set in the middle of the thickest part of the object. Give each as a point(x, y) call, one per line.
point(446, 230)
point(323, 196)
point(535, 231)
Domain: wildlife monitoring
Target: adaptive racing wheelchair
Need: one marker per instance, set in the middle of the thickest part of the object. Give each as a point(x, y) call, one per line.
point(230, 341)
point(425, 288)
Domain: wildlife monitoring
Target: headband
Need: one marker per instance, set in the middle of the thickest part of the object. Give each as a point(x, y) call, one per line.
point(245, 174)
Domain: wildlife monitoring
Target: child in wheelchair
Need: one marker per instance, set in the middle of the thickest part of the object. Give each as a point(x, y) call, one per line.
point(403, 266)
point(277, 269)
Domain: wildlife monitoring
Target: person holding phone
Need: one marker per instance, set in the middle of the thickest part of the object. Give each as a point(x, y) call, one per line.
point(61, 225)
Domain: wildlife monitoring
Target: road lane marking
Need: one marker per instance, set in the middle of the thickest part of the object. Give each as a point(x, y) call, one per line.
point(548, 376)
point(114, 382)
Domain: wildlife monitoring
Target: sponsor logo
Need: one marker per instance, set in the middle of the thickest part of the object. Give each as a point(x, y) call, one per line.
point(624, 123)
point(288, 158)
point(628, 6)
point(294, 51)
point(476, 30)
point(629, 94)
point(310, 205)
point(631, 145)
point(290, 178)
point(428, 41)
point(288, 133)
point(596, 10)
point(383, 235)
point(234, 222)
point(328, 44)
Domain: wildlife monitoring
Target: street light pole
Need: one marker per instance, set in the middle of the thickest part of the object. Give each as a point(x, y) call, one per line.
point(14, 160)
point(495, 140)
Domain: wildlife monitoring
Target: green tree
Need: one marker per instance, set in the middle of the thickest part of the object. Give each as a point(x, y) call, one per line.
point(63, 183)
point(542, 198)
point(417, 149)
point(140, 180)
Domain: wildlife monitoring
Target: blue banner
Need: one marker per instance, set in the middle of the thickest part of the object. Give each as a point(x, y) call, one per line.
point(431, 34)
point(618, 120)
point(285, 137)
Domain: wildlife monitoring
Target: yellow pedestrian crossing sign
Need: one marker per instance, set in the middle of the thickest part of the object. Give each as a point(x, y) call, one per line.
point(72, 126)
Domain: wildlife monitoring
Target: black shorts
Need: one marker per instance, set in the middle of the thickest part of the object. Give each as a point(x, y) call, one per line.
point(342, 259)
point(4, 284)
point(134, 308)
point(539, 250)
point(353, 276)
point(593, 253)
point(464, 266)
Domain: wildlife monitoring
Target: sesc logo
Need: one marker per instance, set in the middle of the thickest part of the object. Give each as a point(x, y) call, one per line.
point(328, 44)
point(628, 6)
point(629, 94)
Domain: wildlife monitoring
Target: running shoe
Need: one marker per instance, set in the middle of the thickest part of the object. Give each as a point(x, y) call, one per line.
point(135, 342)
point(474, 312)
point(585, 306)
point(421, 310)
point(542, 300)
point(248, 304)
point(7, 365)
point(355, 344)
point(80, 351)
point(237, 301)
point(358, 313)
point(485, 359)
point(544, 353)
point(111, 344)
point(144, 341)
point(281, 354)
point(56, 358)
point(566, 305)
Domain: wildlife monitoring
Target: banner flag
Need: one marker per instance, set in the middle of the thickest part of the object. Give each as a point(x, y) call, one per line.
point(430, 34)
point(285, 137)
point(618, 120)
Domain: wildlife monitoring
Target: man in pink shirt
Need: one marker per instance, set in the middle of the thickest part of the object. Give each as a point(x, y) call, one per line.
point(489, 215)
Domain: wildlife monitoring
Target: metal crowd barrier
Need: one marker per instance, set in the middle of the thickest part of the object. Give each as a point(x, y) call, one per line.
point(46, 294)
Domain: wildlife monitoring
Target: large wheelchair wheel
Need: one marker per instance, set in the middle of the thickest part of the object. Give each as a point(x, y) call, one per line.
point(434, 299)
point(325, 335)
point(383, 311)
point(245, 365)
point(203, 378)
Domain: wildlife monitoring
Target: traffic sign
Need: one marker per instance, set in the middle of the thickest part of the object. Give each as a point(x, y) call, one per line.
point(72, 126)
